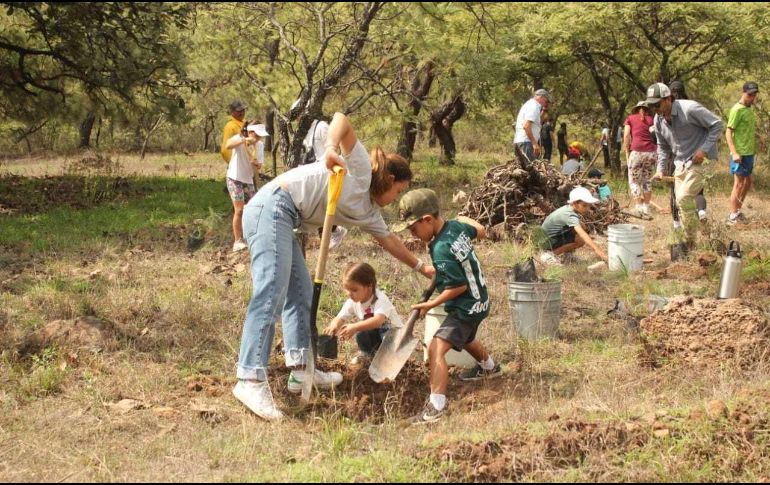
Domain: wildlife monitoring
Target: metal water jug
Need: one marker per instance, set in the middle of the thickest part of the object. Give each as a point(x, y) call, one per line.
point(731, 272)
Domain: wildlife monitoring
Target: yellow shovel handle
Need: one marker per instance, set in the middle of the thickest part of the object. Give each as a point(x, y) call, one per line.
point(335, 189)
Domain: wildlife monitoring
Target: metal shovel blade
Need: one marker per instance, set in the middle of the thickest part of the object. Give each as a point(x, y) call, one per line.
point(391, 356)
point(397, 347)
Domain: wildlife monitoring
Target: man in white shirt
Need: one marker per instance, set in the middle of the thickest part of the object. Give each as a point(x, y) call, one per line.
point(527, 136)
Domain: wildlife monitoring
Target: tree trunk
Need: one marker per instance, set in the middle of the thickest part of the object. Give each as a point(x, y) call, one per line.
point(421, 84)
point(99, 131)
point(208, 127)
point(442, 121)
point(85, 130)
point(152, 130)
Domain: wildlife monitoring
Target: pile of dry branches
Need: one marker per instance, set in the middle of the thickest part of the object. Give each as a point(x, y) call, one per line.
point(521, 193)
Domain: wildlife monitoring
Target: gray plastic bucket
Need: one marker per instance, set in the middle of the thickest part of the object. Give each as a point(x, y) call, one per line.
point(535, 308)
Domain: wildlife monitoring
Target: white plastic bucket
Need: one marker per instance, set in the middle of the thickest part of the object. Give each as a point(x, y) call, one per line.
point(535, 308)
point(433, 320)
point(625, 247)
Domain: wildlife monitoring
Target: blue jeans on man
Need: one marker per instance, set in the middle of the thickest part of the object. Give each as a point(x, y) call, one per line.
point(527, 149)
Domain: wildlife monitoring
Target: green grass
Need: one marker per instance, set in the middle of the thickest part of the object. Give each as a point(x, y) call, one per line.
point(169, 201)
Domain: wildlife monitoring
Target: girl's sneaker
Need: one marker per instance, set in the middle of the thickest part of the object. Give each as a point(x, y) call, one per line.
point(322, 380)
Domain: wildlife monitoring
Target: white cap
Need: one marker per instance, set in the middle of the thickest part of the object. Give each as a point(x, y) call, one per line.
point(582, 194)
point(258, 129)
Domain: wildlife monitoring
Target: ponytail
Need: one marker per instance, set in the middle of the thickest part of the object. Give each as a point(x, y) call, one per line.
point(387, 168)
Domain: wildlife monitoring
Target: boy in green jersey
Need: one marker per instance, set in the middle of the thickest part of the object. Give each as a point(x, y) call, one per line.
point(461, 288)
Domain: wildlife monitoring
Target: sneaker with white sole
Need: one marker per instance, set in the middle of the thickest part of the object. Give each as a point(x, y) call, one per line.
point(702, 215)
point(257, 397)
point(478, 373)
point(239, 246)
point(429, 414)
point(549, 259)
point(322, 380)
point(338, 234)
point(361, 358)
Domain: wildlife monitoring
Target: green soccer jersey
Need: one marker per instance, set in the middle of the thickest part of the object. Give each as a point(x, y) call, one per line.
point(457, 265)
point(741, 121)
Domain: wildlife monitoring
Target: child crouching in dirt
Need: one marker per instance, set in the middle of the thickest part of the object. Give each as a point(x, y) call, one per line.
point(368, 305)
point(462, 290)
point(563, 231)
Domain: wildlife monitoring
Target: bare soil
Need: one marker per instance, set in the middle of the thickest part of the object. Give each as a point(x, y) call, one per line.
point(706, 332)
point(567, 444)
point(24, 195)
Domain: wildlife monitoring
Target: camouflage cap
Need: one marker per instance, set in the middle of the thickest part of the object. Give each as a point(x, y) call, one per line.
point(415, 205)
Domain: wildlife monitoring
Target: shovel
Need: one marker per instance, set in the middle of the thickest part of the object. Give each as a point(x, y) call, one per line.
point(333, 193)
point(397, 347)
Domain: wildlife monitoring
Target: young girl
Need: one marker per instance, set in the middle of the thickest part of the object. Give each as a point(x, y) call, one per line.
point(247, 156)
point(281, 285)
point(369, 306)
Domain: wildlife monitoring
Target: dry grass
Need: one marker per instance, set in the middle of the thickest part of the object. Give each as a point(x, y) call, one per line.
point(180, 321)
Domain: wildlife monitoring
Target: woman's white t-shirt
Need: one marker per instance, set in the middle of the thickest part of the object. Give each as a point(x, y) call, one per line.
point(240, 167)
point(380, 305)
point(308, 184)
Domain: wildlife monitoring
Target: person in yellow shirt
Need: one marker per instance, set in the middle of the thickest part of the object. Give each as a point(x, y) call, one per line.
point(233, 127)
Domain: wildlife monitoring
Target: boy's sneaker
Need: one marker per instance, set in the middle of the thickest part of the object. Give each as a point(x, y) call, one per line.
point(429, 414)
point(478, 373)
point(337, 236)
point(239, 246)
point(731, 221)
point(258, 398)
point(742, 217)
point(702, 215)
point(549, 259)
point(321, 380)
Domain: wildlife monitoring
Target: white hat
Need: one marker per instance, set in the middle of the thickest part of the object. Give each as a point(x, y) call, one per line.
point(258, 129)
point(582, 194)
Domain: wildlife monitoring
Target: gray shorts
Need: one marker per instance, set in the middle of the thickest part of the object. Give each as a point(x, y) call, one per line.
point(458, 332)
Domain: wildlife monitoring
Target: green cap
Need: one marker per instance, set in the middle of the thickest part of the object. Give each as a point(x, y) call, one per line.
point(415, 205)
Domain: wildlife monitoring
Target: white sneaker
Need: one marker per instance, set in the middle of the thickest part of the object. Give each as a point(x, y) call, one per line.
point(239, 246)
point(337, 236)
point(702, 215)
point(258, 398)
point(646, 210)
point(549, 259)
point(321, 380)
point(361, 358)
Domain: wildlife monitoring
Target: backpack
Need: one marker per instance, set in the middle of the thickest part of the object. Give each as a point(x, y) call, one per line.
point(310, 152)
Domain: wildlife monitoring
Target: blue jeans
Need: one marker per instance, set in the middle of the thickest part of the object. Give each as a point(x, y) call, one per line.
point(280, 284)
point(370, 340)
point(528, 150)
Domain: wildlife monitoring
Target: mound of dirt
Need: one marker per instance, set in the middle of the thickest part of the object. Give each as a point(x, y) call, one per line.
point(706, 332)
point(566, 445)
point(83, 332)
point(361, 399)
